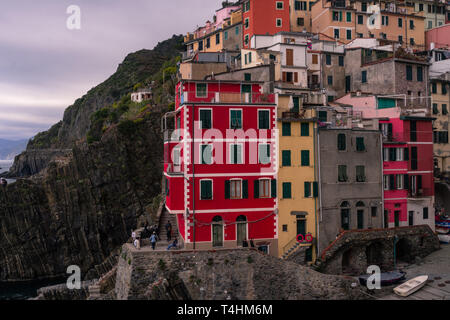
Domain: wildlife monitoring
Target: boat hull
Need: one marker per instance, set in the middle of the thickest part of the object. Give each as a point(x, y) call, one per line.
point(387, 278)
point(411, 286)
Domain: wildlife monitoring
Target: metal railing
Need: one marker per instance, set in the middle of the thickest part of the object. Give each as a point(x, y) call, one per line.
point(171, 135)
point(419, 193)
point(227, 97)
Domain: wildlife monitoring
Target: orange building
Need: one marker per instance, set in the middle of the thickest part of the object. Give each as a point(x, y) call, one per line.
point(345, 20)
point(262, 17)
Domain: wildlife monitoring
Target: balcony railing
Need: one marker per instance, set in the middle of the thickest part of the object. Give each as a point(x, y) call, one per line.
point(419, 193)
point(174, 169)
point(225, 97)
point(171, 135)
point(394, 137)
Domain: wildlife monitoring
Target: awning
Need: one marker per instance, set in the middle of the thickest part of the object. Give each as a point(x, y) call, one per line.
point(299, 213)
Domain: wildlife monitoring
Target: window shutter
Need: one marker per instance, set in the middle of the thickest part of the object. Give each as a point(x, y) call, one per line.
point(360, 144)
point(284, 76)
point(419, 182)
point(390, 130)
point(406, 154)
point(392, 155)
point(273, 188)
point(256, 189)
point(305, 130)
point(244, 189)
point(391, 182)
point(341, 141)
point(307, 189)
point(406, 181)
point(295, 76)
point(305, 158)
point(315, 189)
point(227, 189)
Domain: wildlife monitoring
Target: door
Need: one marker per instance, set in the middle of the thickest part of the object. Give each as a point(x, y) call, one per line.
point(386, 219)
point(345, 221)
point(360, 218)
point(347, 84)
point(301, 227)
point(241, 230)
point(411, 218)
point(217, 232)
point(247, 91)
point(397, 218)
point(289, 57)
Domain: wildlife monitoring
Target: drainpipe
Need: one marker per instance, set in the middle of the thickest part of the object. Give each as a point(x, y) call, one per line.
point(382, 181)
point(320, 187)
point(315, 179)
point(193, 170)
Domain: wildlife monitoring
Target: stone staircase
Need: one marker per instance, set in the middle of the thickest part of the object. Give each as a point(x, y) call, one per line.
point(291, 250)
point(94, 292)
point(165, 217)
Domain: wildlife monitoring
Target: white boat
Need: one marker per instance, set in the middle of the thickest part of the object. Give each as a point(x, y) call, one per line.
point(442, 230)
point(444, 238)
point(411, 286)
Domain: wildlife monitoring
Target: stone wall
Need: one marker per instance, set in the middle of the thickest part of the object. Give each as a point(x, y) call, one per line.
point(353, 251)
point(244, 274)
point(61, 292)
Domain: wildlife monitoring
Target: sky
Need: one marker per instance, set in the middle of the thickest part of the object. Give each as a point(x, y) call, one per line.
point(45, 66)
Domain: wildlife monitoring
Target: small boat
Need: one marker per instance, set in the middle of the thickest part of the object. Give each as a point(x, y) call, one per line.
point(442, 230)
point(387, 278)
point(411, 286)
point(444, 238)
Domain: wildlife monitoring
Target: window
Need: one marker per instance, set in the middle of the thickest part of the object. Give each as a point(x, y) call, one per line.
point(409, 76)
point(360, 19)
point(364, 76)
point(285, 228)
point(400, 22)
point(205, 119)
point(328, 59)
point(247, 6)
point(247, 77)
point(385, 154)
point(444, 109)
point(305, 158)
point(200, 45)
point(206, 153)
point(419, 74)
point(342, 173)
point(341, 142)
point(425, 213)
point(323, 116)
point(385, 20)
point(413, 158)
point(444, 88)
point(330, 80)
point(420, 6)
point(399, 154)
point(300, 21)
point(435, 108)
point(225, 35)
point(300, 5)
point(264, 188)
point(176, 157)
point(206, 192)
point(315, 59)
point(413, 131)
point(280, 5)
point(374, 211)
point(349, 17)
point(341, 61)
point(236, 30)
point(287, 194)
point(296, 102)
point(336, 33)
point(307, 190)
point(235, 119)
point(286, 129)
point(208, 42)
point(279, 22)
point(218, 38)
point(411, 24)
point(430, 24)
point(345, 216)
point(263, 122)
point(360, 174)
point(246, 39)
point(434, 87)
point(236, 154)
point(411, 41)
point(305, 129)
point(201, 90)
point(385, 182)
point(360, 219)
point(286, 158)
point(360, 144)
point(246, 23)
point(400, 39)
point(364, 6)
point(236, 189)
point(264, 154)
point(399, 179)
point(335, 16)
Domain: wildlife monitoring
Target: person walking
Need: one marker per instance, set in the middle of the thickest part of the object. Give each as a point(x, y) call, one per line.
point(137, 243)
point(174, 244)
point(153, 240)
point(169, 230)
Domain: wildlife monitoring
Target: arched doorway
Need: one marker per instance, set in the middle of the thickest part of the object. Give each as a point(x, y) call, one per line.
point(403, 250)
point(241, 230)
point(374, 254)
point(347, 261)
point(217, 231)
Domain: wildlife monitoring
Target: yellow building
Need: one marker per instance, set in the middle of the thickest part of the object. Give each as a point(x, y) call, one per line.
point(301, 15)
point(297, 182)
point(440, 96)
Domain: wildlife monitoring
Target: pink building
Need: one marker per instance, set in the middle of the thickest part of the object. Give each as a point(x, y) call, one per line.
point(440, 36)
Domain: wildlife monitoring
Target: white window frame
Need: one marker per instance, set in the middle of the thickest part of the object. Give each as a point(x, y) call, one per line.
point(197, 96)
point(267, 110)
point(231, 193)
point(270, 188)
point(200, 122)
point(259, 152)
point(282, 5)
point(242, 117)
point(399, 181)
point(201, 155)
point(212, 189)
point(175, 151)
point(230, 158)
point(386, 183)
point(399, 154)
point(281, 23)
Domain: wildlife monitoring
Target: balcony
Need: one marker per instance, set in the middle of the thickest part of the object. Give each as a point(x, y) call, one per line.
point(174, 170)
point(419, 193)
point(394, 137)
point(171, 135)
point(227, 98)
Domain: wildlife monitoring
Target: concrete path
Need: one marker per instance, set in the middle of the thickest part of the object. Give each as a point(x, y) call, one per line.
point(437, 267)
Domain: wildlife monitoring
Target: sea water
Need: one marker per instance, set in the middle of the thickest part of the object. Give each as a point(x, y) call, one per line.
point(5, 165)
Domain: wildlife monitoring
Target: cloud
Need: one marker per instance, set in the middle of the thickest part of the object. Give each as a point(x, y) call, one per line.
point(44, 67)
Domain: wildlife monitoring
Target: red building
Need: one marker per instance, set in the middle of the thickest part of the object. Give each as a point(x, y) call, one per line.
point(220, 164)
point(408, 171)
point(262, 17)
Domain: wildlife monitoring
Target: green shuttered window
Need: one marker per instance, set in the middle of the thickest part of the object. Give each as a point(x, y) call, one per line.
point(286, 158)
point(305, 158)
point(287, 192)
point(305, 129)
point(206, 190)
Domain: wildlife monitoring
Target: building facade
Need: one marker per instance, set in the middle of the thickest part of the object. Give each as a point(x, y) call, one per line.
point(220, 165)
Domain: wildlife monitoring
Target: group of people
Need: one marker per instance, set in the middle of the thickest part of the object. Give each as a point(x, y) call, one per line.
point(3, 182)
point(153, 235)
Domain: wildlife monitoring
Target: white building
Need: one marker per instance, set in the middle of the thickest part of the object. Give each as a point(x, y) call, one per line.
point(141, 95)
